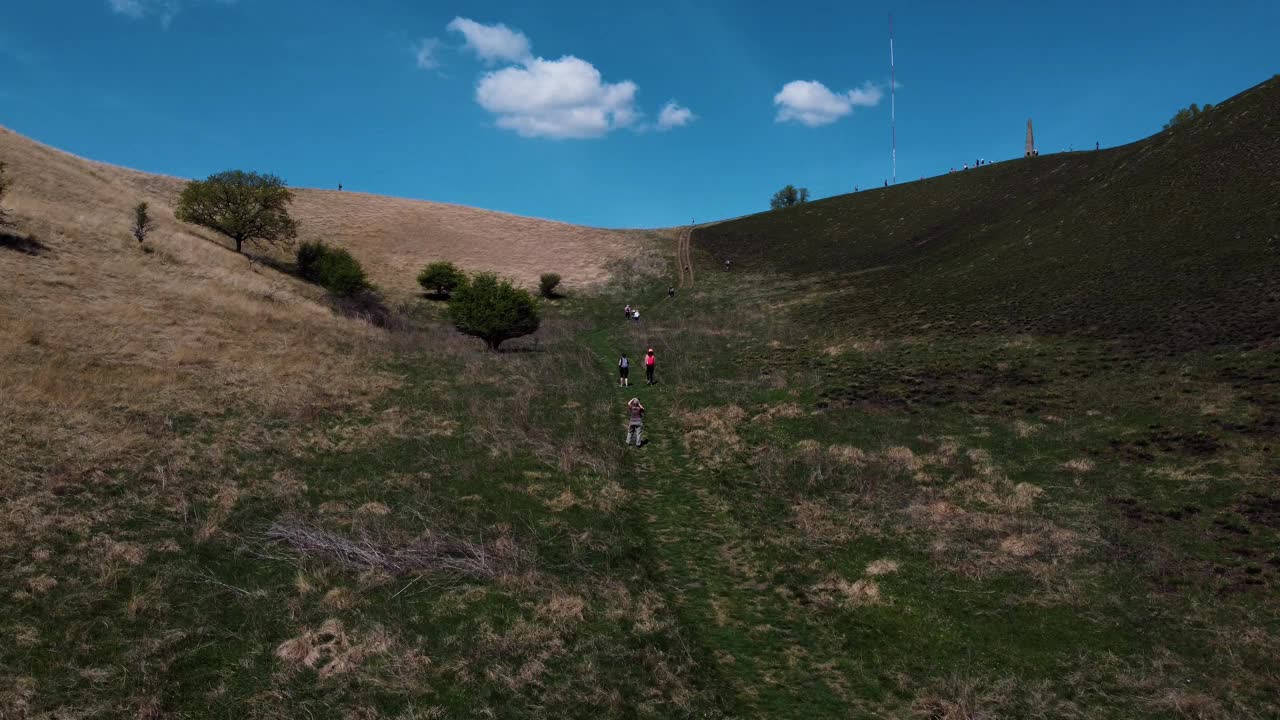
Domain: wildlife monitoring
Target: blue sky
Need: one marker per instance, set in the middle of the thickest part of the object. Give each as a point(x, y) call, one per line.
point(556, 109)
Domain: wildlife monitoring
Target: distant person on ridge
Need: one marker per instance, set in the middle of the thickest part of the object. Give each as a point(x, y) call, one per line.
point(624, 371)
point(635, 423)
point(635, 315)
point(626, 311)
point(671, 292)
point(650, 364)
point(726, 266)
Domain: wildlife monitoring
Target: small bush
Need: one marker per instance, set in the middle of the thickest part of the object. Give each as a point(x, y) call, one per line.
point(493, 310)
point(341, 274)
point(334, 269)
point(143, 224)
point(441, 278)
point(308, 260)
point(547, 285)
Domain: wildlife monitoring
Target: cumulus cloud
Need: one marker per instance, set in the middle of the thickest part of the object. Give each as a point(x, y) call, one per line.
point(492, 43)
point(425, 53)
point(809, 102)
point(565, 98)
point(673, 115)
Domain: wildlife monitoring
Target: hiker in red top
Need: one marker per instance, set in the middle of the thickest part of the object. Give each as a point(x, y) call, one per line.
point(649, 365)
point(635, 426)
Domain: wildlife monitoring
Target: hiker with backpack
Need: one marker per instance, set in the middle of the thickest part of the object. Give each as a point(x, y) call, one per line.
point(635, 424)
point(624, 371)
point(650, 364)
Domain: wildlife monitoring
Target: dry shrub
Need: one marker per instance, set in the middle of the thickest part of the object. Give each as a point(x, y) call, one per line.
point(858, 345)
point(712, 433)
point(562, 609)
point(848, 455)
point(835, 591)
point(964, 698)
point(432, 553)
point(826, 524)
point(340, 598)
point(1024, 429)
point(42, 584)
point(223, 503)
point(882, 567)
point(1078, 466)
point(901, 459)
point(783, 410)
point(330, 651)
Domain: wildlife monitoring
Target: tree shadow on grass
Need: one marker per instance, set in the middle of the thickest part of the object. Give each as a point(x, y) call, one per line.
point(25, 244)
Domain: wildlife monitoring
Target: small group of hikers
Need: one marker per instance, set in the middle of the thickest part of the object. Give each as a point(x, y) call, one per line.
point(624, 369)
point(635, 411)
point(631, 313)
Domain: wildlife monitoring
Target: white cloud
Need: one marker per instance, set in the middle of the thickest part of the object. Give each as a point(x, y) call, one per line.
point(165, 10)
point(492, 43)
point(425, 53)
point(565, 98)
point(809, 102)
point(673, 116)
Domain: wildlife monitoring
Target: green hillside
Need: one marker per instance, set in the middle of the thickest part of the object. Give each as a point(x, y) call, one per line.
point(1174, 239)
point(1002, 444)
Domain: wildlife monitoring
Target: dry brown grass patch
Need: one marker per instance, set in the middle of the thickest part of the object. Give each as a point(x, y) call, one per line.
point(329, 650)
point(883, 566)
point(1078, 466)
point(837, 591)
point(712, 433)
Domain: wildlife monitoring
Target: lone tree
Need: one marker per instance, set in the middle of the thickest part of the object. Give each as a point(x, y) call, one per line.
point(246, 207)
point(1186, 114)
point(493, 310)
point(788, 196)
point(441, 278)
point(4, 185)
point(142, 222)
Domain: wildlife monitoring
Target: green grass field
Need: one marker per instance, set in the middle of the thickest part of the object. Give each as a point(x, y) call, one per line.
point(903, 462)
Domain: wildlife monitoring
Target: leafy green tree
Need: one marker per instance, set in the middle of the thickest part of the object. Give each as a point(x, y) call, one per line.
point(4, 185)
point(246, 207)
point(1187, 114)
point(142, 222)
point(441, 278)
point(784, 198)
point(789, 195)
point(493, 310)
point(547, 285)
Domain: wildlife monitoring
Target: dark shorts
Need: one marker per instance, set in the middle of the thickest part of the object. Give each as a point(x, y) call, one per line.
point(623, 372)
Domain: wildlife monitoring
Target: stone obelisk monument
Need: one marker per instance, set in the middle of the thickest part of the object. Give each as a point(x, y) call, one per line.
point(1031, 140)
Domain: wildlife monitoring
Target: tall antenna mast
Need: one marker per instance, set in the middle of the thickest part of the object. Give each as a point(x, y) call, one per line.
point(893, 103)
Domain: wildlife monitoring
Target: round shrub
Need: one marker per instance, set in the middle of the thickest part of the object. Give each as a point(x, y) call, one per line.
point(334, 269)
point(441, 278)
point(493, 310)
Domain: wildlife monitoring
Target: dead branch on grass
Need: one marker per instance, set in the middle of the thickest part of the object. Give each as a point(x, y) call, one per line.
point(434, 553)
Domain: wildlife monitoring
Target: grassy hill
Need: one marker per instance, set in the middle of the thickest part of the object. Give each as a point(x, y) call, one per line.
point(903, 462)
point(1173, 240)
point(62, 194)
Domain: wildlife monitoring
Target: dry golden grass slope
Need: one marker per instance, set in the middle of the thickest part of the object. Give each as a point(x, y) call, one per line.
point(392, 237)
point(102, 344)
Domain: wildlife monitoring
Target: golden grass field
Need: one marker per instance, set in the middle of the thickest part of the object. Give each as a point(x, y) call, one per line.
point(104, 342)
